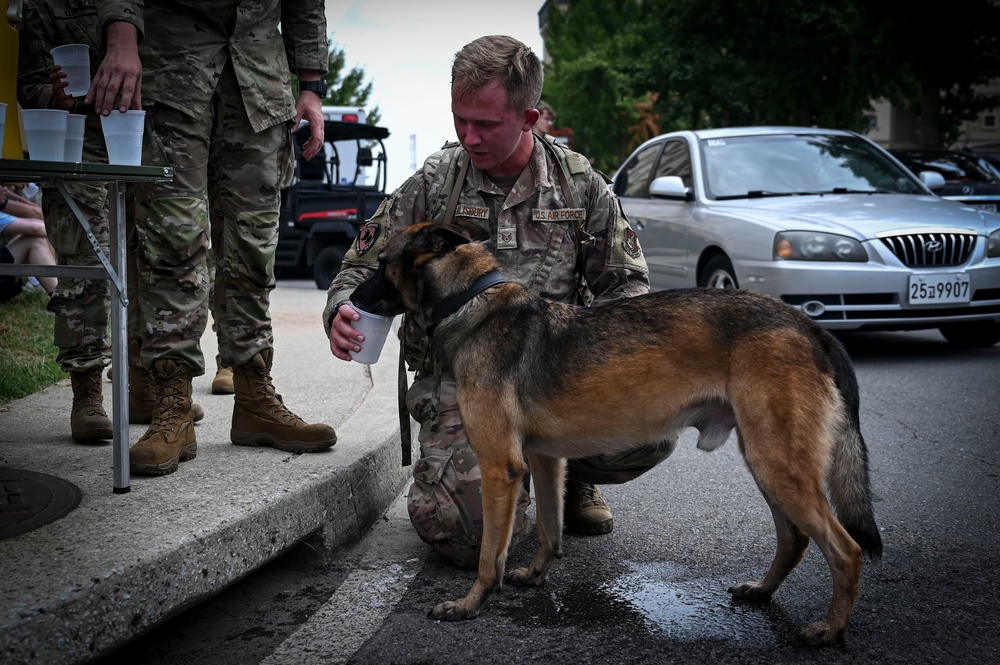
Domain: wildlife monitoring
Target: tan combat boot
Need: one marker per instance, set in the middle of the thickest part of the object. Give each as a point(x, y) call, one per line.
point(584, 510)
point(260, 418)
point(222, 384)
point(170, 438)
point(142, 401)
point(88, 420)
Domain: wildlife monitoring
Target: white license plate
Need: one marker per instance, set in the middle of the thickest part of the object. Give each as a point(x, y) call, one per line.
point(992, 207)
point(937, 288)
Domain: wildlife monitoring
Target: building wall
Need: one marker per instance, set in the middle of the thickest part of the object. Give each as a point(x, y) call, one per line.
point(896, 128)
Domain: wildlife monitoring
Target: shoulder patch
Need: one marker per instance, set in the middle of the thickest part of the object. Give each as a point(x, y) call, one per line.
point(367, 237)
point(625, 249)
point(630, 243)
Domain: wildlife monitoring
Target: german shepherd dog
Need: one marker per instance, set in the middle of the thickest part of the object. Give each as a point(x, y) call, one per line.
point(528, 370)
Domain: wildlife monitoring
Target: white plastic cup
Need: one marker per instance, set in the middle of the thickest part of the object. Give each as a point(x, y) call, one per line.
point(75, 124)
point(123, 136)
point(75, 61)
point(45, 131)
point(3, 120)
point(375, 328)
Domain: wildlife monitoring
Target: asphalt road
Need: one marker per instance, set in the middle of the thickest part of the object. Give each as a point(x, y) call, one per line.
point(655, 589)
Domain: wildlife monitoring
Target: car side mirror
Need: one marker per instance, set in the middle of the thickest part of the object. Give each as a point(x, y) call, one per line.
point(670, 187)
point(932, 179)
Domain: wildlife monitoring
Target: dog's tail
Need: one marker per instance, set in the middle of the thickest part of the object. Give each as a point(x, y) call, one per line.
point(848, 478)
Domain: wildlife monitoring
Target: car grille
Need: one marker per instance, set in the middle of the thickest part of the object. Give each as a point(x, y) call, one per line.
point(920, 250)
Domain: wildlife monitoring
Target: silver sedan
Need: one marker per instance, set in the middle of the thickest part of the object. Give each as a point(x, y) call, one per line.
point(825, 220)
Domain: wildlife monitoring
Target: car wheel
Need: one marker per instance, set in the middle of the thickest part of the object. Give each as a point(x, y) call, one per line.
point(972, 335)
point(718, 274)
point(327, 266)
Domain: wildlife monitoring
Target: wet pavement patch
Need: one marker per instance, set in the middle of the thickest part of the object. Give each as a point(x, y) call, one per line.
point(29, 500)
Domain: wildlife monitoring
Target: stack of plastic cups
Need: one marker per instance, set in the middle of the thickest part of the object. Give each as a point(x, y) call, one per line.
point(3, 119)
point(45, 131)
point(75, 124)
point(123, 136)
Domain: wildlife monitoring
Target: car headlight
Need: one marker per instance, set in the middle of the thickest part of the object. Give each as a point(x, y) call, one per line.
point(993, 245)
point(813, 246)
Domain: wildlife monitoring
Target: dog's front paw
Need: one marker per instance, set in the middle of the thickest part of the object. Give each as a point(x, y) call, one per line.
point(822, 634)
point(751, 592)
point(451, 610)
point(526, 577)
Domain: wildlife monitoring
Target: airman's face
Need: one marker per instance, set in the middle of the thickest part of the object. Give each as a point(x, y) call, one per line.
point(488, 130)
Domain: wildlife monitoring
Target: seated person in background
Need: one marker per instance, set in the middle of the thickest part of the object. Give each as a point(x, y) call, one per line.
point(15, 204)
point(24, 241)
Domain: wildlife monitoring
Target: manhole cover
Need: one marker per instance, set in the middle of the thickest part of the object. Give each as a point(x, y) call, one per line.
point(29, 500)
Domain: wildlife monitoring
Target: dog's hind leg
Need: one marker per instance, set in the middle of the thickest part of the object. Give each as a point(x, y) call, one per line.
point(547, 474)
point(792, 544)
point(801, 511)
point(501, 485)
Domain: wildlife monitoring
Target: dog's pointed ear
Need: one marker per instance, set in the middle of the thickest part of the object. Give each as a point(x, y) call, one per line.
point(472, 231)
point(446, 238)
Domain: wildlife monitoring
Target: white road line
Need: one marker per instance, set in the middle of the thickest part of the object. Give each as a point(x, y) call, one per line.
point(394, 555)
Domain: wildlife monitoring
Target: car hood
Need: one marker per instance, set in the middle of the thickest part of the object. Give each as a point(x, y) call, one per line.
point(861, 216)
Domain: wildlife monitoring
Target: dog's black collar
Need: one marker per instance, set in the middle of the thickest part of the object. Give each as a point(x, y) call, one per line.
point(450, 305)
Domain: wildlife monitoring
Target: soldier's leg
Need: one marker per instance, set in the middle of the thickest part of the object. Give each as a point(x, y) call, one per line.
point(445, 500)
point(247, 171)
point(585, 510)
point(620, 467)
point(222, 384)
point(82, 307)
point(171, 227)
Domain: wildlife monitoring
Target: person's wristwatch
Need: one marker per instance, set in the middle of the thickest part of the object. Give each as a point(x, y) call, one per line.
point(318, 86)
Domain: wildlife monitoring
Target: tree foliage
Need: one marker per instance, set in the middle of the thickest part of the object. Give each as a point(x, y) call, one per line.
point(706, 63)
point(593, 81)
point(348, 88)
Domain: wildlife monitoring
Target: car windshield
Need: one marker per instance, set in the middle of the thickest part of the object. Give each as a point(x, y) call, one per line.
point(954, 166)
point(791, 165)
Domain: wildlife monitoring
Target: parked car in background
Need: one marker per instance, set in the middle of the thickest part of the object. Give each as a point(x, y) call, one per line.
point(824, 220)
point(968, 178)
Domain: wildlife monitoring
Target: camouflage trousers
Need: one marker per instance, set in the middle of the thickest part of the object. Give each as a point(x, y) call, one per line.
point(445, 500)
point(82, 307)
point(229, 174)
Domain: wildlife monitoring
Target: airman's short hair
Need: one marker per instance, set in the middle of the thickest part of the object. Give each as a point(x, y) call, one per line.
point(505, 59)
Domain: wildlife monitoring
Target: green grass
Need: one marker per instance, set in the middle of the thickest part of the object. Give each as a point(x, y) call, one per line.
point(27, 354)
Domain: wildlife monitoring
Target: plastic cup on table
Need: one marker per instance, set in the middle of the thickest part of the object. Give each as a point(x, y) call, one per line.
point(375, 328)
point(75, 62)
point(45, 131)
point(75, 124)
point(123, 136)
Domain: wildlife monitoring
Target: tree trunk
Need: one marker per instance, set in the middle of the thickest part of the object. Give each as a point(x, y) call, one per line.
point(929, 135)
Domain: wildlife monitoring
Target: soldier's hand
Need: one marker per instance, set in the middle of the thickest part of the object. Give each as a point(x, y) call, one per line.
point(59, 81)
point(343, 337)
point(120, 73)
point(309, 106)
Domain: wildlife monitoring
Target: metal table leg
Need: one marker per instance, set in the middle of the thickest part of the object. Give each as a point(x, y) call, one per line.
point(119, 336)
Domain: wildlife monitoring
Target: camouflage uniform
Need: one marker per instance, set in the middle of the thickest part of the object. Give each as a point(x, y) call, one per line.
point(217, 93)
point(82, 306)
point(536, 242)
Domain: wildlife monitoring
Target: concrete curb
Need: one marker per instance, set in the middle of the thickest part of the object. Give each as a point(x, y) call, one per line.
point(118, 565)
